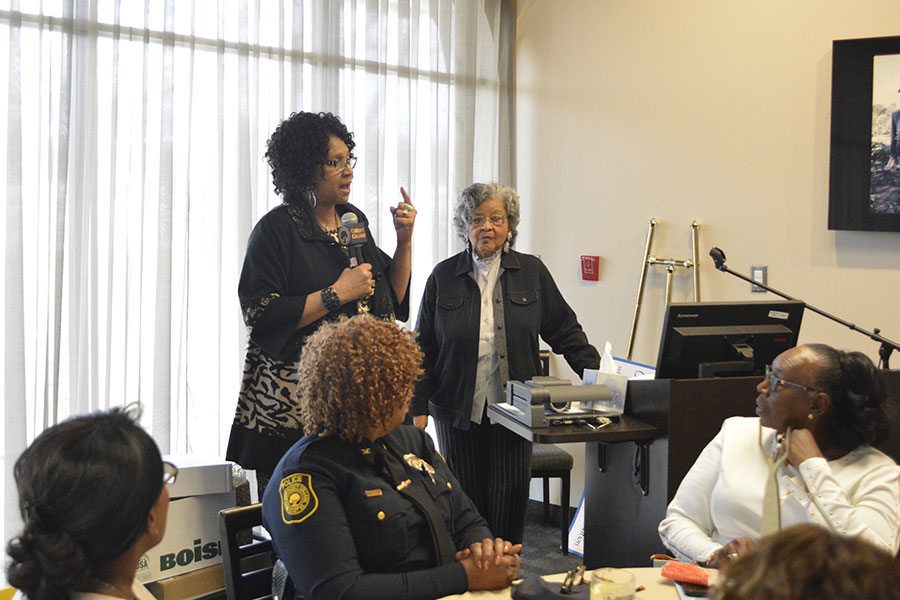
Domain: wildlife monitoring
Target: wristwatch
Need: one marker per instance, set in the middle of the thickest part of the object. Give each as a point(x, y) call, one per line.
point(330, 299)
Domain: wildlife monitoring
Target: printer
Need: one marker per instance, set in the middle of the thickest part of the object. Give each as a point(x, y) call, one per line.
point(547, 401)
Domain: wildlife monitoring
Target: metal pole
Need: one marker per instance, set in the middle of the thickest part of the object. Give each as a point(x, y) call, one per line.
point(670, 271)
point(637, 305)
point(695, 250)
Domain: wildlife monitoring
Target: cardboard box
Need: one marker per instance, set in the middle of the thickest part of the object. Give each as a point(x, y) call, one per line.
point(195, 584)
point(192, 538)
point(198, 475)
point(208, 581)
point(202, 489)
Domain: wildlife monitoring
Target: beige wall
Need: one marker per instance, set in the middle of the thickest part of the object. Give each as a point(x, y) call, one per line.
point(711, 110)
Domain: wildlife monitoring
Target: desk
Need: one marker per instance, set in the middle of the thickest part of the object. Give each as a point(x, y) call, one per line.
point(632, 468)
point(656, 587)
point(628, 429)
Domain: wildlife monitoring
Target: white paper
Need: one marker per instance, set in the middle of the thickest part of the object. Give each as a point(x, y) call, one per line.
point(576, 531)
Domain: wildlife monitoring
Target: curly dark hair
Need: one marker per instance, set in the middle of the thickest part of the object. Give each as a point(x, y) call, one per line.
point(356, 372)
point(86, 487)
point(858, 399)
point(297, 149)
point(805, 562)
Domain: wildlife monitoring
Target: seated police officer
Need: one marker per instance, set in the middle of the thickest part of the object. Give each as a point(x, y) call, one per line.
point(363, 506)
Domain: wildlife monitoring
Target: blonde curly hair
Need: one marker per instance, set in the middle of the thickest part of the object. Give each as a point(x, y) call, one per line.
point(808, 561)
point(355, 373)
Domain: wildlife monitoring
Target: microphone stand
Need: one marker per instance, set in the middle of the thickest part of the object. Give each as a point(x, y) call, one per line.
point(884, 351)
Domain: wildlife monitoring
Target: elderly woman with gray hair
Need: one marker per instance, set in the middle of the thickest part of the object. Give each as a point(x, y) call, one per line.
point(479, 322)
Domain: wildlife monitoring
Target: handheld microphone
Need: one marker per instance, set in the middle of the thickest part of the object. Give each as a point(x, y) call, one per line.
point(352, 236)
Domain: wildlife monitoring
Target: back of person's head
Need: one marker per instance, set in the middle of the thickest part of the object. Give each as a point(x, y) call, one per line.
point(806, 562)
point(86, 487)
point(356, 372)
point(858, 400)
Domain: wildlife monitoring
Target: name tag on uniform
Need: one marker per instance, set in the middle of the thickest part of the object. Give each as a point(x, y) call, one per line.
point(373, 493)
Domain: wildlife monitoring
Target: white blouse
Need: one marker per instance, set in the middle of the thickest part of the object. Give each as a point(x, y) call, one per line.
point(721, 497)
point(140, 592)
point(488, 384)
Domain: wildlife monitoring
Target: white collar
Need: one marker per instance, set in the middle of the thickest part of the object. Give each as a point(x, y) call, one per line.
point(488, 261)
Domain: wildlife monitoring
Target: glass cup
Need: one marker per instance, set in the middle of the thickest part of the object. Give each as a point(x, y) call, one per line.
point(612, 584)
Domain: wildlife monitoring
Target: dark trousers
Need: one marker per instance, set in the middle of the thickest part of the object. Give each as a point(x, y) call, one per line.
point(493, 465)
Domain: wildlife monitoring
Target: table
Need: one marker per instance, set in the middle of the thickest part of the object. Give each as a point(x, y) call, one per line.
point(656, 587)
point(628, 429)
point(633, 468)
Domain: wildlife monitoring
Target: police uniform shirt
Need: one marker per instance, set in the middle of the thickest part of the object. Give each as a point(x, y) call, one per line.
point(344, 531)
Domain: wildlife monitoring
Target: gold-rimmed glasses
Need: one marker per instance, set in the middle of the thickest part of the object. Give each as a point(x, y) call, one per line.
point(776, 383)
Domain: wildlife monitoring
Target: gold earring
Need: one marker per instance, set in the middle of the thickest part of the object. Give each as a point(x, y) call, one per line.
point(809, 416)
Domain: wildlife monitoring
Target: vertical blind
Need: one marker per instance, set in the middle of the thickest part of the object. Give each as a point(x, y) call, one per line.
point(133, 151)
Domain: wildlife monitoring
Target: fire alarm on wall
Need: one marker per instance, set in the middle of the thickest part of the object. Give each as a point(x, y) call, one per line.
point(590, 267)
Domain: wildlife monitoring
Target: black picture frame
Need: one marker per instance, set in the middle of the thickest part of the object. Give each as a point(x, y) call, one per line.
point(852, 145)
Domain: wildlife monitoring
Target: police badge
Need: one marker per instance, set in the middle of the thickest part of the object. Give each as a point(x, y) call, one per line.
point(298, 500)
point(419, 465)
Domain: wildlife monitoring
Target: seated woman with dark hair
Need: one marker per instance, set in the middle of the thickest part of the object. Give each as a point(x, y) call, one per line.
point(805, 562)
point(808, 458)
point(93, 497)
point(363, 506)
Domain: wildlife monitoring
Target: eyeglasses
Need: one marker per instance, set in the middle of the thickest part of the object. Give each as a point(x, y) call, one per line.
point(496, 220)
point(170, 473)
point(776, 383)
point(341, 165)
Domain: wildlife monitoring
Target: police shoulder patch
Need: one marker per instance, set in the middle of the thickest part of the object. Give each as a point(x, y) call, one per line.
point(298, 500)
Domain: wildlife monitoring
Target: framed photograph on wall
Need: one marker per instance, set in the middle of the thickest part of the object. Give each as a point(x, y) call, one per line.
point(864, 187)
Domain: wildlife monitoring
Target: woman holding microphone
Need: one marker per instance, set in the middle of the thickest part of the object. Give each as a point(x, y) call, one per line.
point(297, 275)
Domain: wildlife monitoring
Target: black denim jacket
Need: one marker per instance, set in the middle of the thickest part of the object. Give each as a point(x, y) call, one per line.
point(448, 327)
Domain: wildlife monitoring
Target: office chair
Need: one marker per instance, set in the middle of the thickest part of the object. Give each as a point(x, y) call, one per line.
point(248, 559)
point(549, 460)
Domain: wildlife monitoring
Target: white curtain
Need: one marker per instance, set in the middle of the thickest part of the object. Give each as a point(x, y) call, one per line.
point(133, 151)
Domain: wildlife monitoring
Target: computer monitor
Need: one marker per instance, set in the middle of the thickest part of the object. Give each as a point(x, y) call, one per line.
point(725, 339)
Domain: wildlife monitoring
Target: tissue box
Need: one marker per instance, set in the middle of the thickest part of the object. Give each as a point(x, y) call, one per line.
point(617, 384)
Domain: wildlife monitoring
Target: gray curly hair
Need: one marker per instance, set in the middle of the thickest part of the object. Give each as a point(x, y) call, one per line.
point(477, 193)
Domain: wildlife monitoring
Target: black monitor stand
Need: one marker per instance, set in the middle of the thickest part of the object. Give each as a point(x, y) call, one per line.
point(732, 368)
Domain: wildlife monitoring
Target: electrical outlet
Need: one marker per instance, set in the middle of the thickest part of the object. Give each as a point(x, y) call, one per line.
point(759, 273)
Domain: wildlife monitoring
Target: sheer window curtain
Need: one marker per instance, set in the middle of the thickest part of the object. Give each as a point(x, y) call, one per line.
point(133, 174)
